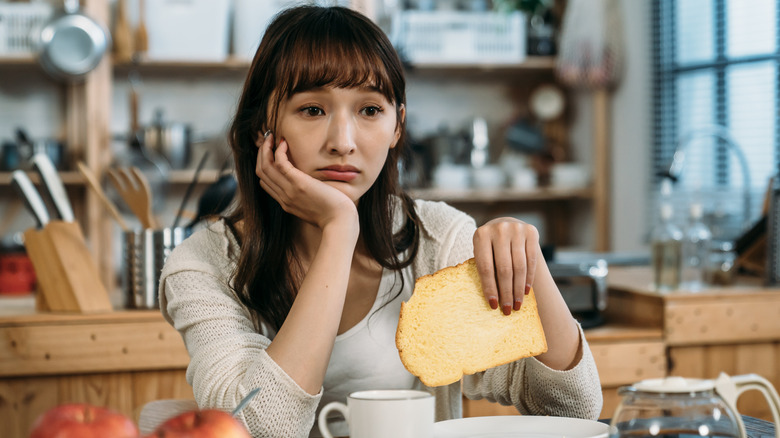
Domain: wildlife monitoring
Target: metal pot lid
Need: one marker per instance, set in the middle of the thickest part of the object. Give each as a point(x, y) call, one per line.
point(674, 385)
point(73, 45)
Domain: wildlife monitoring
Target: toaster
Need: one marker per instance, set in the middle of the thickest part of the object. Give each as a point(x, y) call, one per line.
point(583, 286)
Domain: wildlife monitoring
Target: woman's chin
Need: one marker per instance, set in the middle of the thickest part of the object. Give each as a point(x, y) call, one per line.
point(348, 189)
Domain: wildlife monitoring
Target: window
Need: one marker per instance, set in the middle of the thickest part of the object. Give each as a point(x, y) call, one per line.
point(716, 64)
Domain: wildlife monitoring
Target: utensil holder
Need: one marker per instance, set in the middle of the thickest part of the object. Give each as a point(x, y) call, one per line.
point(145, 252)
point(67, 274)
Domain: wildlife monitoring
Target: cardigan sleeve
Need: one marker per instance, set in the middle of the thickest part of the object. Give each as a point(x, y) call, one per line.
point(529, 385)
point(228, 357)
point(536, 389)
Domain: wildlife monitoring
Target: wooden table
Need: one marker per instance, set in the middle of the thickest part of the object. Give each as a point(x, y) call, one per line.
point(121, 360)
point(733, 329)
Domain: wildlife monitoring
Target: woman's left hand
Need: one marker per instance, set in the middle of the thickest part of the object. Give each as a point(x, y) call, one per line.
point(506, 251)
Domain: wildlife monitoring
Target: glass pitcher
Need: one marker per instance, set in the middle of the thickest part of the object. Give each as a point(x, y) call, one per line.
point(680, 407)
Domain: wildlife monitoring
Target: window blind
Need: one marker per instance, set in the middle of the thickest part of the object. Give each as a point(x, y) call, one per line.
point(716, 74)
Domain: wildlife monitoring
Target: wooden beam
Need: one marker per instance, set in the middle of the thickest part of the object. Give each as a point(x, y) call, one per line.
point(601, 169)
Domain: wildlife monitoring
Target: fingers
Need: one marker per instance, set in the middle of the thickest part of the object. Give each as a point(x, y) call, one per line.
point(520, 259)
point(533, 252)
point(483, 255)
point(508, 266)
point(264, 169)
point(273, 165)
point(506, 252)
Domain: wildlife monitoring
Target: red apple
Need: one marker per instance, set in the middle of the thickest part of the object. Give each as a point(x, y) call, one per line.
point(207, 423)
point(81, 420)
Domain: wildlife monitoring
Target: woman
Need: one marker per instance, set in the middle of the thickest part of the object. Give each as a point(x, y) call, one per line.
point(298, 292)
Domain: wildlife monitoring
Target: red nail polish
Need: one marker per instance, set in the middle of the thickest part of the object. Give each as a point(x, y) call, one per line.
point(518, 304)
point(527, 288)
point(507, 309)
point(493, 303)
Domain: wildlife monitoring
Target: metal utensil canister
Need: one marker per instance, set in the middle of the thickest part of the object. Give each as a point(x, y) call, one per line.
point(145, 252)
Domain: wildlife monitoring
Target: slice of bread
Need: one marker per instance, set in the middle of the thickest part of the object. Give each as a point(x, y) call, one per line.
point(447, 328)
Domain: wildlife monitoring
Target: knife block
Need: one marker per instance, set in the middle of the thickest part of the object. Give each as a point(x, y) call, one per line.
point(68, 278)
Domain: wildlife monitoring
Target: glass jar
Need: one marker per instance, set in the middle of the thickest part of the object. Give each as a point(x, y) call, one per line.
point(720, 268)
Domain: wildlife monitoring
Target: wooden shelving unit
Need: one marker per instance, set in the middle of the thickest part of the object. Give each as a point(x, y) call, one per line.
point(502, 195)
point(23, 61)
point(88, 105)
point(72, 178)
point(69, 178)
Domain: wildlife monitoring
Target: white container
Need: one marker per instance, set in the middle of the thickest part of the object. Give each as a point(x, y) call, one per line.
point(250, 19)
point(452, 176)
point(488, 177)
point(20, 26)
point(460, 36)
point(569, 176)
point(524, 178)
point(188, 30)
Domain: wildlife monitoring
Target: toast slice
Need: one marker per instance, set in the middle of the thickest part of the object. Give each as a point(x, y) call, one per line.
point(447, 328)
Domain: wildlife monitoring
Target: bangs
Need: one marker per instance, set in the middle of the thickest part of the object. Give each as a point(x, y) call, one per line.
point(327, 54)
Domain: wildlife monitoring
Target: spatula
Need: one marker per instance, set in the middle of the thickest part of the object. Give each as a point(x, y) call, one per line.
point(134, 189)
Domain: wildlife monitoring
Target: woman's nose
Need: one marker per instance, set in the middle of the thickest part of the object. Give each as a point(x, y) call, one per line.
point(341, 136)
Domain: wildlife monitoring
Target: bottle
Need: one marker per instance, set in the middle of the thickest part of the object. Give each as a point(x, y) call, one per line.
point(772, 276)
point(666, 249)
point(720, 266)
point(695, 247)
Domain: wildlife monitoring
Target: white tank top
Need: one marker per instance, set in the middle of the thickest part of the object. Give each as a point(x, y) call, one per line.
point(365, 356)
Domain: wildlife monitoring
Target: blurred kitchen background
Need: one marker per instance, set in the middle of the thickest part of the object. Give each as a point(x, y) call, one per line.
point(565, 113)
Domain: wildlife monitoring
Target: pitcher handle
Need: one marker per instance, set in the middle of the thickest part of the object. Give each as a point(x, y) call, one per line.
point(747, 382)
point(322, 420)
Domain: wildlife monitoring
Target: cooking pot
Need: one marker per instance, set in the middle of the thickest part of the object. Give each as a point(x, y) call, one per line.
point(172, 140)
point(681, 407)
point(71, 44)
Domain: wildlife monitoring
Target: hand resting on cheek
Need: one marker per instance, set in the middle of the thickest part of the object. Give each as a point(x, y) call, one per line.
point(299, 194)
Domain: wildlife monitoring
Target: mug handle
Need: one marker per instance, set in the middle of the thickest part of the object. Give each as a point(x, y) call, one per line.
point(746, 382)
point(322, 421)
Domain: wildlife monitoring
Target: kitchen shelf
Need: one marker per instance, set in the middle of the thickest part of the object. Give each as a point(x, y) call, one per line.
point(68, 178)
point(73, 178)
point(185, 176)
point(530, 63)
point(28, 60)
point(501, 195)
point(240, 66)
point(233, 66)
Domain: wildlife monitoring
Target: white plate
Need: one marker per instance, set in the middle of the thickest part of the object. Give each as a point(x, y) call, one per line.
point(519, 426)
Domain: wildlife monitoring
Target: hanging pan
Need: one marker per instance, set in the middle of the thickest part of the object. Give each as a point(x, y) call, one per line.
point(72, 44)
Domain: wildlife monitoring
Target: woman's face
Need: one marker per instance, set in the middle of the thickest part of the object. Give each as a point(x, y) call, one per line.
point(340, 136)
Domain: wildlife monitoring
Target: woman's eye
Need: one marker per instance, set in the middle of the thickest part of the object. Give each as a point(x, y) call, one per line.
point(371, 111)
point(312, 111)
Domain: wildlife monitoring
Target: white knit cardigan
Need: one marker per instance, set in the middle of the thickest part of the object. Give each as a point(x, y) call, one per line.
point(228, 358)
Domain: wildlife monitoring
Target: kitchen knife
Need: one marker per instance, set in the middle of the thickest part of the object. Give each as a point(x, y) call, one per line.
point(53, 184)
point(32, 199)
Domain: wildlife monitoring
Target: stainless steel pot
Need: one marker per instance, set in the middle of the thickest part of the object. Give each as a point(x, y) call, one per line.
point(72, 44)
point(172, 140)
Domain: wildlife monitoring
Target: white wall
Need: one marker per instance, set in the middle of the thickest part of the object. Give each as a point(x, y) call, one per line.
point(631, 132)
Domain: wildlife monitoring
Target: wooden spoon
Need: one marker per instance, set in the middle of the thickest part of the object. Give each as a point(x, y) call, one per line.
point(93, 182)
point(123, 36)
point(141, 35)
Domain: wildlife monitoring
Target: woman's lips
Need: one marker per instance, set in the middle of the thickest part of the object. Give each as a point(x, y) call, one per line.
point(339, 173)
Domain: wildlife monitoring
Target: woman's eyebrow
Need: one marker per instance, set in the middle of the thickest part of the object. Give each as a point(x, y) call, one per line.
point(369, 87)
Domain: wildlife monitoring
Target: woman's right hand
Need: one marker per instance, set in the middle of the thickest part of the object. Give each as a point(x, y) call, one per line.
point(299, 194)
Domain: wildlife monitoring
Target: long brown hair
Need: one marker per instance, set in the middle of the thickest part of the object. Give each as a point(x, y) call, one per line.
point(304, 48)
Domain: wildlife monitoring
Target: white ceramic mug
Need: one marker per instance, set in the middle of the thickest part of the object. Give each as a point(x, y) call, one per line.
point(390, 413)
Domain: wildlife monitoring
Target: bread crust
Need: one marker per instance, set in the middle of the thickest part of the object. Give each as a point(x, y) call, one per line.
point(440, 346)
